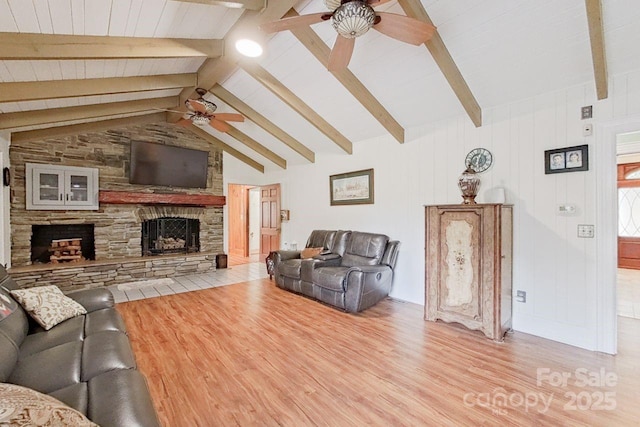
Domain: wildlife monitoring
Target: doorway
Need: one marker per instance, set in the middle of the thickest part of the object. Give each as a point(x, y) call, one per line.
point(605, 315)
point(628, 183)
point(254, 221)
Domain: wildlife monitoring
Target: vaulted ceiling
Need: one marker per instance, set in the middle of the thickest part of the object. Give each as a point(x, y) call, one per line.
point(69, 65)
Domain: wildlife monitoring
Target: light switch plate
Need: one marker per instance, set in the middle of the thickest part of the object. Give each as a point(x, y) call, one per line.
point(586, 231)
point(566, 209)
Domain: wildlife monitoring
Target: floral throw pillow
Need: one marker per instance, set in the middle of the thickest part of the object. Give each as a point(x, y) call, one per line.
point(48, 305)
point(21, 406)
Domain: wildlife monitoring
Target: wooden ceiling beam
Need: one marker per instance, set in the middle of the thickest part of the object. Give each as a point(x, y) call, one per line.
point(232, 4)
point(289, 98)
point(50, 89)
point(257, 118)
point(98, 126)
point(256, 146)
point(442, 57)
point(229, 149)
point(321, 51)
point(83, 112)
point(596, 35)
point(20, 46)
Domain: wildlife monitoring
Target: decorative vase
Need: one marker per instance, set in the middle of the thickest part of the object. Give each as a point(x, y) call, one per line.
point(469, 183)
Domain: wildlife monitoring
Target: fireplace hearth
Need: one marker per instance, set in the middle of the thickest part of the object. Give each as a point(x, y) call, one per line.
point(170, 235)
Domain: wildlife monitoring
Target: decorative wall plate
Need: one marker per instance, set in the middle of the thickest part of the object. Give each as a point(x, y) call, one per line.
point(479, 159)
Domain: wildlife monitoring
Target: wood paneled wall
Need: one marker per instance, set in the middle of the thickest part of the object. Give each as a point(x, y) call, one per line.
point(555, 267)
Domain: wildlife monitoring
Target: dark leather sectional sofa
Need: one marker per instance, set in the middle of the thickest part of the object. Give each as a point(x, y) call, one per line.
point(86, 362)
point(353, 272)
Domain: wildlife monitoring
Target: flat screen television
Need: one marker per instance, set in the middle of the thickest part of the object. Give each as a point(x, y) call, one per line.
point(158, 164)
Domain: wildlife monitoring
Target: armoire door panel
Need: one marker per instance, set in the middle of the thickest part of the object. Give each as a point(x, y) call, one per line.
point(460, 265)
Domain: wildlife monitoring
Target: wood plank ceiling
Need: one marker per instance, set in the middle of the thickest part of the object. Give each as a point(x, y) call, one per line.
point(68, 62)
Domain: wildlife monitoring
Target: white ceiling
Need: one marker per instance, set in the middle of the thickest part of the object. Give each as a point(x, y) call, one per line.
point(506, 50)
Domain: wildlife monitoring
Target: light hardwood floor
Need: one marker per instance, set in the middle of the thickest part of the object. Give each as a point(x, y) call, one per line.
point(629, 293)
point(251, 354)
point(238, 260)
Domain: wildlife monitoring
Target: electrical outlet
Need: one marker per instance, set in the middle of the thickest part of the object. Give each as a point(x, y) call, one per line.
point(586, 231)
point(521, 296)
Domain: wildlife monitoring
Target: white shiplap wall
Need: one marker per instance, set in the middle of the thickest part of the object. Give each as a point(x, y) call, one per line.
point(556, 269)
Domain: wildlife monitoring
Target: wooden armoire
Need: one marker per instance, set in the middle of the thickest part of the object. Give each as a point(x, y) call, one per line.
point(469, 266)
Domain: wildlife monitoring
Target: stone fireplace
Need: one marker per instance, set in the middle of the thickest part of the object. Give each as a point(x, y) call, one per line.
point(125, 210)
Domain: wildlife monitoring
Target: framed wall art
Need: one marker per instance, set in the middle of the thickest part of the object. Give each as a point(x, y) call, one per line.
point(353, 188)
point(568, 159)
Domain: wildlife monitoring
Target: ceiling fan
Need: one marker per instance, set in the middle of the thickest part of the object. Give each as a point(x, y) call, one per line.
point(353, 18)
point(202, 112)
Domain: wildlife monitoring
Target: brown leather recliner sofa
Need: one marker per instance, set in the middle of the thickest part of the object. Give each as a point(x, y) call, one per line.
point(85, 362)
point(353, 272)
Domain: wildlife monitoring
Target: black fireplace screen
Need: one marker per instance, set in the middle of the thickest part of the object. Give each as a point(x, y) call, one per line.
point(170, 235)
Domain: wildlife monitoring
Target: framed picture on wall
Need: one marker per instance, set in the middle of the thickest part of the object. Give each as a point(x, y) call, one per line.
point(568, 159)
point(353, 188)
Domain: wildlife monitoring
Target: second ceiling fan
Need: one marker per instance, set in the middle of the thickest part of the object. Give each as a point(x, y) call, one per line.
point(353, 18)
point(202, 112)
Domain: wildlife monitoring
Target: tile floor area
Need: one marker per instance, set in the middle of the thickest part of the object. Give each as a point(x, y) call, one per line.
point(628, 285)
point(195, 282)
point(629, 293)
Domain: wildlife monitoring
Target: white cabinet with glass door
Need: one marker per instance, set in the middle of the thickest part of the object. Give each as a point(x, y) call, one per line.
point(61, 187)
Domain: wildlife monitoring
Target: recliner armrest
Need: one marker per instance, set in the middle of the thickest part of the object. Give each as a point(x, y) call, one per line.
point(366, 285)
point(368, 269)
point(327, 257)
point(93, 299)
point(285, 255)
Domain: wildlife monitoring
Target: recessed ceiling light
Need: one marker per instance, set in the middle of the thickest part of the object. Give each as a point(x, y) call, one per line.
point(249, 48)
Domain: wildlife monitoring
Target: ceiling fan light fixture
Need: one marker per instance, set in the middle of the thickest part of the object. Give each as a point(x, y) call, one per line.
point(250, 48)
point(199, 120)
point(210, 106)
point(353, 19)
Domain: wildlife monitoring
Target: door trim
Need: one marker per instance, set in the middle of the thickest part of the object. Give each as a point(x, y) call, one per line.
point(606, 320)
